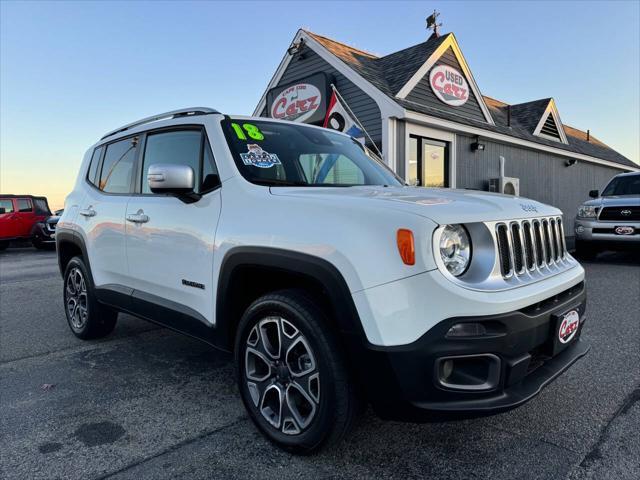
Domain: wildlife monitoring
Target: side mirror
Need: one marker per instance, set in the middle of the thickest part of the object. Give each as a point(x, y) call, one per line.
point(175, 179)
point(594, 193)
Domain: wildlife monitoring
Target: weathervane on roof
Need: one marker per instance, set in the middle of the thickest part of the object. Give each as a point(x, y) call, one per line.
point(432, 24)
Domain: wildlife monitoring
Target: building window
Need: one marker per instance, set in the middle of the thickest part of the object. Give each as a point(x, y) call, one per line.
point(428, 162)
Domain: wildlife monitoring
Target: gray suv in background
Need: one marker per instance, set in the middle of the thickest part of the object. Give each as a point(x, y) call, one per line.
point(611, 221)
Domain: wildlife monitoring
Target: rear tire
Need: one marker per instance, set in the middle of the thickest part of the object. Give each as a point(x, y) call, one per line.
point(291, 373)
point(39, 244)
point(87, 318)
point(585, 250)
point(3, 245)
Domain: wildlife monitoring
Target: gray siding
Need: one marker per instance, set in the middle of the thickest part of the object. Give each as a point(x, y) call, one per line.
point(359, 102)
point(543, 176)
point(423, 95)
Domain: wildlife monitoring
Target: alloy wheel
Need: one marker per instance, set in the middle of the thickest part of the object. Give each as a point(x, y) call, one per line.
point(282, 375)
point(76, 299)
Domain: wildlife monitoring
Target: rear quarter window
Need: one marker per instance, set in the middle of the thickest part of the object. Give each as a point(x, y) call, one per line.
point(93, 167)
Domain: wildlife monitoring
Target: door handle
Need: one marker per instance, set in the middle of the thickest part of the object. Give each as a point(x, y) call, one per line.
point(138, 217)
point(87, 212)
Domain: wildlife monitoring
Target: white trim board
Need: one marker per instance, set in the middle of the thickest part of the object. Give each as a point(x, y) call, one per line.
point(450, 41)
point(457, 127)
point(553, 111)
point(284, 63)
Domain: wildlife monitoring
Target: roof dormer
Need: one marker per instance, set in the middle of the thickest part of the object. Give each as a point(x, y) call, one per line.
point(550, 126)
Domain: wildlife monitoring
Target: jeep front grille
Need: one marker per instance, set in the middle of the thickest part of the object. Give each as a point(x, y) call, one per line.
point(525, 246)
point(528, 245)
point(503, 250)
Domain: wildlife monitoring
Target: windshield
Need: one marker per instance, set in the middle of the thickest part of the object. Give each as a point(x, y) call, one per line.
point(280, 154)
point(627, 185)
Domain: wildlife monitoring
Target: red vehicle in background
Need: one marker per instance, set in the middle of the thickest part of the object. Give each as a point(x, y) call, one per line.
point(25, 217)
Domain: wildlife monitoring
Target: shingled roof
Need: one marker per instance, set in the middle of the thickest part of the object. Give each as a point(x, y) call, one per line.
point(391, 72)
point(528, 114)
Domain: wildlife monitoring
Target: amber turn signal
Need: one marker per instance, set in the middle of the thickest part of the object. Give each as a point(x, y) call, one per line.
point(406, 246)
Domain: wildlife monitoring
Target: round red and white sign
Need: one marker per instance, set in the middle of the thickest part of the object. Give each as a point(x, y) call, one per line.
point(449, 85)
point(569, 326)
point(297, 102)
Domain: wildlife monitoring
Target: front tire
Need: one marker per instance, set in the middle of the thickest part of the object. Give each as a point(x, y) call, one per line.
point(87, 318)
point(291, 373)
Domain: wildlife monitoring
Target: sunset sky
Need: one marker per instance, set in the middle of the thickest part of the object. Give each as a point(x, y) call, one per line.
point(69, 72)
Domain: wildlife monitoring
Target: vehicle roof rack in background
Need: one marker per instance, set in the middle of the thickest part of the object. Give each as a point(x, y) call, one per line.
point(183, 112)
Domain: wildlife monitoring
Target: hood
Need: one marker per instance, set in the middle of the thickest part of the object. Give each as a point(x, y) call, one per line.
point(442, 205)
point(615, 201)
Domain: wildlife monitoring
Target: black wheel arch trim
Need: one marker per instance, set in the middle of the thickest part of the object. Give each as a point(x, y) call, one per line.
point(70, 237)
point(286, 261)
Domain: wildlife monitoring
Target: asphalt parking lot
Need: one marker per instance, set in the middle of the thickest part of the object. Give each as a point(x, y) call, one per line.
point(148, 403)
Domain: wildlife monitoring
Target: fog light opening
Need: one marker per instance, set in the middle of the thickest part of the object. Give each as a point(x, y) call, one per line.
point(471, 372)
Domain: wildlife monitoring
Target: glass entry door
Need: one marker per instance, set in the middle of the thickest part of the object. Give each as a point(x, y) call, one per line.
point(428, 162)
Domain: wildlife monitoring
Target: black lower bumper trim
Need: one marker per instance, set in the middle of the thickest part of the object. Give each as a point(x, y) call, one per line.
point(518, 394)
point(405, 382)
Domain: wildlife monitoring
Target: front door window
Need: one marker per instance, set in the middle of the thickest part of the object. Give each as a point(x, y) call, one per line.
point(428, 162)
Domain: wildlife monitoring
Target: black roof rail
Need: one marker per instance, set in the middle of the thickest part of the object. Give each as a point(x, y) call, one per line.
point(183, 112)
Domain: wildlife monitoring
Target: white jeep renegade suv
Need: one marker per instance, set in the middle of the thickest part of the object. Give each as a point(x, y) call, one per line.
point(332, 282)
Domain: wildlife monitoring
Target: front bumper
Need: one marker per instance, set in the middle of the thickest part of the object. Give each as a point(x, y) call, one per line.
point(603, 232)
point(45, 234)
point(402, 382)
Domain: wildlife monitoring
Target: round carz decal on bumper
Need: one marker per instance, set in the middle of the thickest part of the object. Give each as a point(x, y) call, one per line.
point(569, 326)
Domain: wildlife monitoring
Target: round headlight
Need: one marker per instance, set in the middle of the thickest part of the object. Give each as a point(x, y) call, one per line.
point(455, 249)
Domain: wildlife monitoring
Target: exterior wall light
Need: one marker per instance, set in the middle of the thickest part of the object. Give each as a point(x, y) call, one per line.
point(475, 146)
point(571, 162)
point(296, 47)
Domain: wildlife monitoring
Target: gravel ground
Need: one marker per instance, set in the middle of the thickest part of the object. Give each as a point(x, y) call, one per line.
point(148, 403)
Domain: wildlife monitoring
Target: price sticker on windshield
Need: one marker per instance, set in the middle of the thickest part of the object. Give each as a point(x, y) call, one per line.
point(247, 130)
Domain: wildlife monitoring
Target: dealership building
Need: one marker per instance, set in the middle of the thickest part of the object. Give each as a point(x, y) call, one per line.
point(422, 109)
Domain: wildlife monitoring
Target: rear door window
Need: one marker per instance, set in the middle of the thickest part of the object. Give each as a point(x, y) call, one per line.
point(24, 205)
point(118, 166)
point(6, 205)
